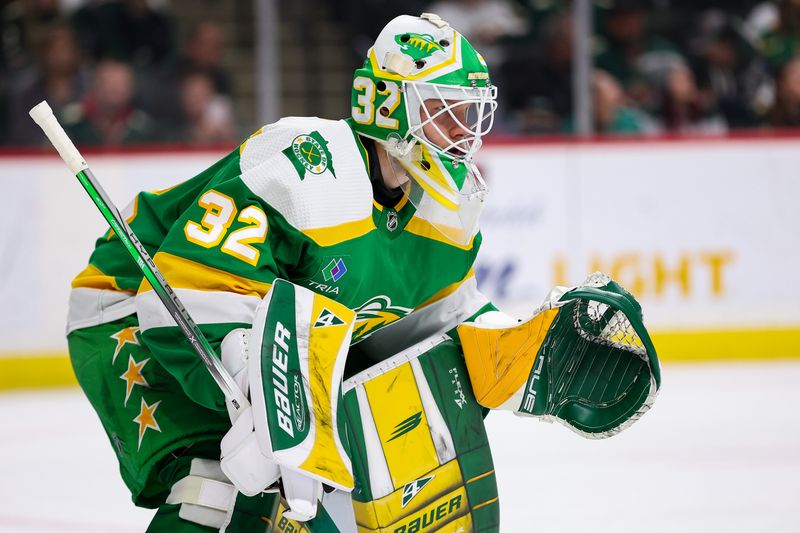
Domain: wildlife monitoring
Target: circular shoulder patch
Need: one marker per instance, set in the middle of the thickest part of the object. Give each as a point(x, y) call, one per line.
point(311, 154)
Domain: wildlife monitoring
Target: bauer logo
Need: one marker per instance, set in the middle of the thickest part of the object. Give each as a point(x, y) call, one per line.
point(530, 396)
point(327, 318)
point(309, 154)
point(432, 516)
point(410, 490)
point(299, 406)
point(280, 384)
point(406, 425)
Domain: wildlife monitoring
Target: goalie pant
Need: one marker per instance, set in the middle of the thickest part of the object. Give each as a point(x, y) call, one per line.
point(421, 458)
point(179, 459)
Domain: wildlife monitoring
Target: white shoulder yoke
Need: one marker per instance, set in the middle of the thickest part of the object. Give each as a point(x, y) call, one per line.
point(311, 171)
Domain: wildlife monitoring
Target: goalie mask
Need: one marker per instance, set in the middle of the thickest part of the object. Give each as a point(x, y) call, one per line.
point(424, 93)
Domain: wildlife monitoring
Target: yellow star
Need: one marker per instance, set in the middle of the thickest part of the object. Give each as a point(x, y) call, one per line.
point(122, 337)
point(146, 419)
point(133, 376)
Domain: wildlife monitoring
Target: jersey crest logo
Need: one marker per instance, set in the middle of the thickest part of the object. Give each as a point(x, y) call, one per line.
point(406, 425)
point(327, 318)
point(334, 271)
point(376, 313)
point(410, 490)
point(309, 154)
point(418, 45)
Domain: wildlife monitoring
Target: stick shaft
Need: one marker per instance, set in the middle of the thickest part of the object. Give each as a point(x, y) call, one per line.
point(44, 117)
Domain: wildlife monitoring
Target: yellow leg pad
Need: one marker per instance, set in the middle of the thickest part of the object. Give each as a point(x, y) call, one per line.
point(327, 457)
point(499, 360)
point(385, 511)
point(439, 515)
point(402, 426)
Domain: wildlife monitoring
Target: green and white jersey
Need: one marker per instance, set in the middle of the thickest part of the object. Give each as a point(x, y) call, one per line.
point(295, 202)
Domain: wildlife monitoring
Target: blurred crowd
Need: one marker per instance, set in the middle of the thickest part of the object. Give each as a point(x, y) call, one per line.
point(119, 72)
point(660, 66)
point(114, 73)
point(694, 67)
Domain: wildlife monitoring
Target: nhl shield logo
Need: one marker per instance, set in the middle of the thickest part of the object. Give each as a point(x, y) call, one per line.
point(391, 221)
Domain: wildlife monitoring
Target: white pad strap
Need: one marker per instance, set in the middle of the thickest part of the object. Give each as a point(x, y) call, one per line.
point(206, 496)
point(302, 494)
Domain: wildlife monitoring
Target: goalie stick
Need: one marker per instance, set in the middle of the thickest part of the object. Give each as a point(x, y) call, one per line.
point(43, 116)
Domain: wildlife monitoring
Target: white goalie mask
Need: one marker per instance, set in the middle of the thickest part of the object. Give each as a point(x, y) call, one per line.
point(425, 94)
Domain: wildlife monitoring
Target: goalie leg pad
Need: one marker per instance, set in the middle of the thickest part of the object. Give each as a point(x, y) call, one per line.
point(420, 451)
point(298, 347)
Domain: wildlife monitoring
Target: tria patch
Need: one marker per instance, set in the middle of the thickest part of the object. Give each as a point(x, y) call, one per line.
point(309, 153)
point(335, 270)
point(327, 318)
point(410, 490)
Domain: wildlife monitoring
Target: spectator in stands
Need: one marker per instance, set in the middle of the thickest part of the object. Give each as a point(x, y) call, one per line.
point(57, 77)
point(107, 114)
point(536, 80)
point(125, 30)
point(627, 44)
point(207, 115)
point(202, 53)
point(683, 108)
point(728, 66)
point(782, 43)
point(611, 114)
point(785, 113)
point(24, 25)
point(485, 23)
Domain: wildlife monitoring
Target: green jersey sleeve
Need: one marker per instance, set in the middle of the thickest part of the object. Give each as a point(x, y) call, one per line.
point(220, 257)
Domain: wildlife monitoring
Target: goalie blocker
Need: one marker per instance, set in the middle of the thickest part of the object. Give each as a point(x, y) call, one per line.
point(292, 362)
point(584, 358)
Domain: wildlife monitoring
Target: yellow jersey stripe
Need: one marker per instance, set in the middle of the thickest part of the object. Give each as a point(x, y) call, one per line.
point(447, 291)
point(423, 228)
point(343, 232)
point(92, 277)
point(182, 273)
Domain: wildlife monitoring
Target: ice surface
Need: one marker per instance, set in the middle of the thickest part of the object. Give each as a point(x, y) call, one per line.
point(719, 452)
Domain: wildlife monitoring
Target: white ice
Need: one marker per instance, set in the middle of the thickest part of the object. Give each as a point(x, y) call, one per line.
point(719, 452)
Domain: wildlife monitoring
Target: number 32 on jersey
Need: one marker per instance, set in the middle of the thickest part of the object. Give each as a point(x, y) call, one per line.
point(213, 227)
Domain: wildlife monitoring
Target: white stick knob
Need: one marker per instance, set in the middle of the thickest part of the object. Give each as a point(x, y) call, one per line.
point(43, 116)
